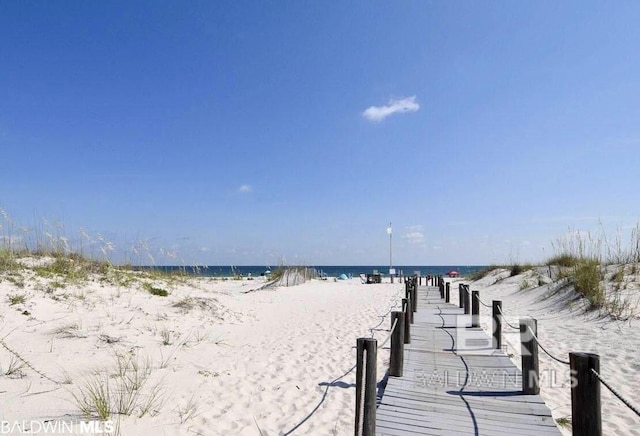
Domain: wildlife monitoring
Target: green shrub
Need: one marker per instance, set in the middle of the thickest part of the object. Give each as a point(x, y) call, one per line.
point(16, 299)
point(155, 291)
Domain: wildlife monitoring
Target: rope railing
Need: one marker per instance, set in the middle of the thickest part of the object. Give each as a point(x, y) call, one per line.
point(27, 363)
point(586, 411)
point(584, 367)
point(566, 362)
point(615, 392)
point(481, 302)
point(393, 327)
point(348, 371)
point(504, 318)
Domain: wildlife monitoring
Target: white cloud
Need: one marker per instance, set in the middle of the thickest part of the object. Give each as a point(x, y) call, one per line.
point(379, 113)
point(243, 189)
point(414, 235)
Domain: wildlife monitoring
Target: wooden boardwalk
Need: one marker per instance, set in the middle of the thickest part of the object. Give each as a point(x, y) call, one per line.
point(455, 383)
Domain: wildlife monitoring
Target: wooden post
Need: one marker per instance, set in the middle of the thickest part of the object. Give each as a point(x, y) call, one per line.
point(441, 288)
point(447, 294)
point(497, 324)
point(414, 299)
point(586, 417)
point(467, 298)
point(408, 320)
point(446, 290)
point(460, 296)
point(530, 368)
point(366, 387)
point(396, 358)
point(475, 309)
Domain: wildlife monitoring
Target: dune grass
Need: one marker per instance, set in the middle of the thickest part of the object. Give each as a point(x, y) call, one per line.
point(582, 258)
point(121, 390)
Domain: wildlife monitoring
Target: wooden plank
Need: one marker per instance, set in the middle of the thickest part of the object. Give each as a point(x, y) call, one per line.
point(455, 383)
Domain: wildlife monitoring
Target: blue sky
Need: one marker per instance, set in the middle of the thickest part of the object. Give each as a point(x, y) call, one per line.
point(239, 132)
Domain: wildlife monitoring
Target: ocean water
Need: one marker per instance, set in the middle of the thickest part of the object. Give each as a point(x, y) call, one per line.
point(325, 270)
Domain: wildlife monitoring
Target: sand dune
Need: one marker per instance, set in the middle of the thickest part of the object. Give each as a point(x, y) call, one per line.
point(215, 360)
point(566, 325)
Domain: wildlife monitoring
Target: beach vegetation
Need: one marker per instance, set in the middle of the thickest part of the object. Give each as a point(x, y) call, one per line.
point(166, 337)
point(155, 290)
point(15, 299)
point(583, 259)
point(15, 368)
point(69, 330)
point(94, 399)
point(481, 273)
point(186, 303)
point(564, 422)
point(516, 269)
point(16, 278)
point(565, 260)
point(587, 280)
point(121, 391)
point(618, 277)
point(188, 411)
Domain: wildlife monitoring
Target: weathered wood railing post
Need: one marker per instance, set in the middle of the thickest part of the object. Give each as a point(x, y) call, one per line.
point(441, 289)
point(408, 320)
point(497, 324)
point(475, 309)
point(460, 295)
point(530, 368)
point(467, 299)
point(414, 299)
point(447, 293)
point(586, 417)
point(366, 387)
point(396, 359)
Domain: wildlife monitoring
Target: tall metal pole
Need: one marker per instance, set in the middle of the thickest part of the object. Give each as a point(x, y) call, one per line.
point(390, 252)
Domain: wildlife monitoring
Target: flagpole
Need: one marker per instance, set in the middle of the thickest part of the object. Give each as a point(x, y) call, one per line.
point(390, 252)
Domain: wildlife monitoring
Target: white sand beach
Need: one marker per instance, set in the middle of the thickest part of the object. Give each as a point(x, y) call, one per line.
point(224, 362)
point(213, 358)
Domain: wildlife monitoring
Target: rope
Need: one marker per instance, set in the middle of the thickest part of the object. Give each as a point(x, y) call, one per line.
point(614, 392)
point(482, 302)
point(26, 362)
point(393, 327)
point(543, 349)
point(505, 319)
point(329, 385)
